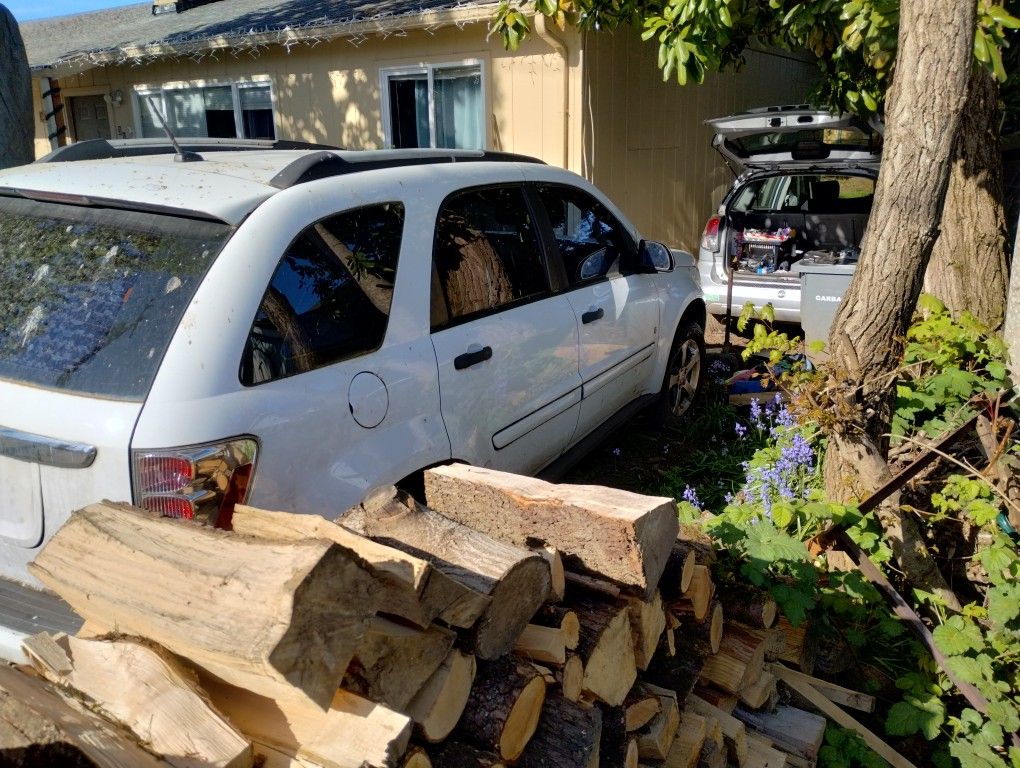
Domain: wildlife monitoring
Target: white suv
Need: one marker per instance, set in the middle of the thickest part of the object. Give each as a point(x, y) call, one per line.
point(805, 186)
point(295, 327)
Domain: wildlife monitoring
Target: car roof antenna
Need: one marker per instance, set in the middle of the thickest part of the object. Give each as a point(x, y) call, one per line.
point(182, 156)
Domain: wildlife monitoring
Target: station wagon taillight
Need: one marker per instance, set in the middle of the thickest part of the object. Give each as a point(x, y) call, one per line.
point(199, 482)
point(710, 237)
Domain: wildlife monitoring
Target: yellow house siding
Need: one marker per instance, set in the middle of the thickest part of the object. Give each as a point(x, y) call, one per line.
point(330, 93)
point(645, 142)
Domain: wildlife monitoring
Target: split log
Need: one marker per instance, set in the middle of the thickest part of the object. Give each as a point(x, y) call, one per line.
point(437, 707)
point(593, 584)
point(792, 730)
point(562, 618)
point(282, 620)
point(353, 733)
point(655, 740)
point(647, 623)
point(416, 757)
point(606, 647)
point(739, 663)
point(719, 699)
point(761, 693)
point(557, 578)
point(797, 649)
point(748, 605)
point(621, 536)
point(452, 754)
point(698, 597)
point(678, 572)
point(392, 662)
point(846, 697)
point(687, 745)
point(712, 756)
point(774, 639)
point(148, 692)
point(503, 708)
point(571, 678)
point(733, 731)
point(761, 754)
point(541, 644)
point(567, 734)
point(640, 707)
point(617, 747)
point(41, 727)
point(516, 579)
point(709, 630)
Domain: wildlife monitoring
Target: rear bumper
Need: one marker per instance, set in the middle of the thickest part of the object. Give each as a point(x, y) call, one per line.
point(782, 294)
point(25, 611)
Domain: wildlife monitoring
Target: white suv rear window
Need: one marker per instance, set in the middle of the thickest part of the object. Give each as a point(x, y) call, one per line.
point(89, 298)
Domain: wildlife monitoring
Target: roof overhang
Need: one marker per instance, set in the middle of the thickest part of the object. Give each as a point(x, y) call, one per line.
point(256, 42)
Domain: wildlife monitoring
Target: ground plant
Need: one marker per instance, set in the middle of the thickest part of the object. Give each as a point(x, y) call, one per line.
point(751, 476)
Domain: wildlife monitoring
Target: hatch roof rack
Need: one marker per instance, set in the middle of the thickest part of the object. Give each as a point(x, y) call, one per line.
point(103, 149)
point(322, 165)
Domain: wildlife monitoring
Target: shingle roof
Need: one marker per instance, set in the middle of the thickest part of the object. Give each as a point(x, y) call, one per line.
point(131, 32)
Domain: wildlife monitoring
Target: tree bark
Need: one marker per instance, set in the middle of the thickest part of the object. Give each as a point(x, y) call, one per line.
point(967, 270)
point(16, 133)
point(926, 100)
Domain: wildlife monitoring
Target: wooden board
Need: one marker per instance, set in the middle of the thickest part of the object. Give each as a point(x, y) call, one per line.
point(621, 536)
point(148, 692)
point(280, 619)
point(792, 730)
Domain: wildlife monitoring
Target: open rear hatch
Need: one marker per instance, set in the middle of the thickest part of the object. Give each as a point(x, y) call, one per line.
point(771, 137)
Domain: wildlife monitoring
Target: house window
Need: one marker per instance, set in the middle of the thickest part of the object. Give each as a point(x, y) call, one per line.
point(235, 110)
point(437, 105)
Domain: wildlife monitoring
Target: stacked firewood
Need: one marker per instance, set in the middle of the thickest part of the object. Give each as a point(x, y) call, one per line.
point(508, 622)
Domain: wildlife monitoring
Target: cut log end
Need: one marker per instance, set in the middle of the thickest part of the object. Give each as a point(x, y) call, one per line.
point(523, 719)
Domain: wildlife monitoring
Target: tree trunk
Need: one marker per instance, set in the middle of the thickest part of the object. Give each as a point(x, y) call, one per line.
point(16, 134)
point(967, 270)
point(925, 105)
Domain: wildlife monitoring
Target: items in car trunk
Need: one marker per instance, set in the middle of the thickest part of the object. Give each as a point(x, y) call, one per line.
point(764, 252)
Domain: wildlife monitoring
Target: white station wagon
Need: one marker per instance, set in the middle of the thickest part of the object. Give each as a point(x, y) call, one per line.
point(294, 327)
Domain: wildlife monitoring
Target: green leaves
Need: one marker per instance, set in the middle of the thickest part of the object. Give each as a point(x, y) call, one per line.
point(957, 636)
point(916, 714)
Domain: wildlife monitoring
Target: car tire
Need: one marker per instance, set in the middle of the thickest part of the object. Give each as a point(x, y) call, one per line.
point(684, 374)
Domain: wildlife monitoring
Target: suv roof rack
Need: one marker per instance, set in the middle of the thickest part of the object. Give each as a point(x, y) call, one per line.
point(103, 149)
point(322, 165)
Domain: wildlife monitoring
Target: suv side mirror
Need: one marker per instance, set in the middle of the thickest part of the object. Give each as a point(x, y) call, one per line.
point(655, 257)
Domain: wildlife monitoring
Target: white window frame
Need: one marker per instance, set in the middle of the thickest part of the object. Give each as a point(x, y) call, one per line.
point(428, 69)
point(142, 92)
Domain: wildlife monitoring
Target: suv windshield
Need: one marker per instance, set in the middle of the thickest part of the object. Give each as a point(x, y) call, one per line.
point(89, 298)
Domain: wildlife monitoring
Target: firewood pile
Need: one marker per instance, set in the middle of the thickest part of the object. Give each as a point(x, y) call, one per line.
point(509, 622)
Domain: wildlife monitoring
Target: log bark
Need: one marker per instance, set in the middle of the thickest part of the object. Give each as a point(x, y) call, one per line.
point(149, 693)
point(967, 270)
point(516, 580)
point(40, 727)
point(616, 747)
point(797, 646)
point(282, 620)
point(567, 735)
point(17, 136)
point(615, 534)
point(353, 733)
point(392, 662)
point(710, 630)
point(437, 707)
point(748, 605)
point(503, 708)
point(712, 756)
point(606, 647)
point(452, 754)
point(678, 671)
point(676, 576)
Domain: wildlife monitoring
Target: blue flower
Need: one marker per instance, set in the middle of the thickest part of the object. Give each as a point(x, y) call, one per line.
point(691, 496)
point(740, 429)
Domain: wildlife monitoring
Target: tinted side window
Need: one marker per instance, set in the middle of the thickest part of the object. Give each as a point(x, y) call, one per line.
point(590, 240)
point(330, 296)
point(487, 252)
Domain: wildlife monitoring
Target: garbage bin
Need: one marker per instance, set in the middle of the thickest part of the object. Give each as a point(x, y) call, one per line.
point(824, 280)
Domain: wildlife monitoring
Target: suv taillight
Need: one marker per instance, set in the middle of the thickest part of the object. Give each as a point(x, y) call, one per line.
point(710, 237)
point(198, 482)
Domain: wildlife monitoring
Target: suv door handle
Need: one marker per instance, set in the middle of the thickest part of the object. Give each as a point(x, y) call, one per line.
point(460, 362)
point(592, 315)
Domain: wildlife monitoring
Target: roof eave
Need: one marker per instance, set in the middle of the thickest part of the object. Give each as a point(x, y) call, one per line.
point(425, 19)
